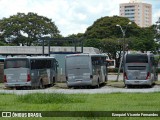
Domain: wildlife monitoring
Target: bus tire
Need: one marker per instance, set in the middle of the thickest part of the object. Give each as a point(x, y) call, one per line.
point(41, 86)
point(53, 82)
point(106, 79)
point(18, 88)
point(129, 86)
point(69, 87)
point(150, 86)
point(98, 85)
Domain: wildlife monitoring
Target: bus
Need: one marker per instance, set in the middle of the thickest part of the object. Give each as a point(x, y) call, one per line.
point(140, 69)
point(85, 70)
point(2, 59)
point(30, 72)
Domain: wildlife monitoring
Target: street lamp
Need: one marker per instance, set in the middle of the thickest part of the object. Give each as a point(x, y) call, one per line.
point(122, 59)
point(157, 32)
point(157, 27)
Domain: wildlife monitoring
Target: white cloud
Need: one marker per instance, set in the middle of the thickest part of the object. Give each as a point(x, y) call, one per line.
point(156, 16)
point(70, 16)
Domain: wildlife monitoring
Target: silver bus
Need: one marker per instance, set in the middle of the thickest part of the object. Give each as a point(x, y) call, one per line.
point(85, 70)
point(30, 72)
point(139, 69)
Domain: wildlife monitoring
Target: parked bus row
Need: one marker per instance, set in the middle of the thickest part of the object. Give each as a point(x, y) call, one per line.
point(80, 70)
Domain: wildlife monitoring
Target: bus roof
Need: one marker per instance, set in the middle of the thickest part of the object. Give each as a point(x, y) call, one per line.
point(2, 58)
point(140, 54)
point(72, 55)
point(34, 57)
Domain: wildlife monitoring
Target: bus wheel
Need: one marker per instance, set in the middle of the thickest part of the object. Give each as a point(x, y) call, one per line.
point(41, 86)
point(69, 87)
point(150, 86)
point(98, 83)
point(18, 88)
point(29, 88)
point(106, 79)
point(129, 86)
point(53, 82)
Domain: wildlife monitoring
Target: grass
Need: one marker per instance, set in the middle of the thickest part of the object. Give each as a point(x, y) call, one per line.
point(39, 98)
point(82, 102)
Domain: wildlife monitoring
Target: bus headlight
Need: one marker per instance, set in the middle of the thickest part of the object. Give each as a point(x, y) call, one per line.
point(86, 75)
point(71, 76)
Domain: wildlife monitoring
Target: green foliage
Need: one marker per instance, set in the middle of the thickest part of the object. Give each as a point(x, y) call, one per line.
point(93, 43)
point(137, 38)
point(14, 27)
point(145, 42)
point(91, 102)
point(2, 43)
point(83, 102)
point(76, 36)
point(105, 35)
point(105, 27)
point(55, 98)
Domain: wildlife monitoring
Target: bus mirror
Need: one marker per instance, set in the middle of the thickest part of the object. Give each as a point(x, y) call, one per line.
point(57, 65)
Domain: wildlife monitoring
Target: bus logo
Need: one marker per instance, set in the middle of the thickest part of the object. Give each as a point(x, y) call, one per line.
point(6, 114)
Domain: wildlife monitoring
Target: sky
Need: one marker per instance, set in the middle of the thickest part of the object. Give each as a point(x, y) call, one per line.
point(70, 16)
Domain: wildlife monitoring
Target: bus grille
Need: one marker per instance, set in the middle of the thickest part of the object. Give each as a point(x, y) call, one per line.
point(136, 75)
point(136, 67)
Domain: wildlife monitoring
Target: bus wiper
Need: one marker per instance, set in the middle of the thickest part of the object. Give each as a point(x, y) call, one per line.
point(78, 68)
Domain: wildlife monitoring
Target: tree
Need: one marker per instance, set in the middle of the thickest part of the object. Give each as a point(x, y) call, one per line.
point(105, 35)
point(93, 43)
point(145, 42)
point(113, 48)
point(110, 36)
point(27, 29)
point(105, 27)
point(76, 36)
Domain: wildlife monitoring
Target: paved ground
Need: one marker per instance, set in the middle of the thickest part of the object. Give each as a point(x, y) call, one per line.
point(105, 89)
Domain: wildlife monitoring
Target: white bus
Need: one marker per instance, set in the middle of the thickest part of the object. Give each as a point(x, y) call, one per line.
point(86, 70)
point(139, 69)
point(30, 72)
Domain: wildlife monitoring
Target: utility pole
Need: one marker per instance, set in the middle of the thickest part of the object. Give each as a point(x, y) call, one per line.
point(122, 59)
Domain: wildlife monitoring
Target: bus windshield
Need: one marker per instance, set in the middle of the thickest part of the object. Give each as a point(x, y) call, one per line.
point(16, 63)
point(77, 62)
point(140, 58)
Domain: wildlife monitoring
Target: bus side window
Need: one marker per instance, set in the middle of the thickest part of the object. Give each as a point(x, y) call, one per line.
point(152, 60)
point(32, 64)
point(95, 61)
point(48, 64)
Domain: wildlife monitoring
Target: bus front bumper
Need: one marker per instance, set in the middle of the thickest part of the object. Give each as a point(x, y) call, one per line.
point(138, 82)
point(79, 83)
point(18, 84)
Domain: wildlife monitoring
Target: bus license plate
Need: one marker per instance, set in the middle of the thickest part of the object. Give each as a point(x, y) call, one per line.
point(136, 81)
point(78, 80)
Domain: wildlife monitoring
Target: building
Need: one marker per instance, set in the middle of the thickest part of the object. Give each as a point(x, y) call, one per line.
point(138, 12)
point(37, 50)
